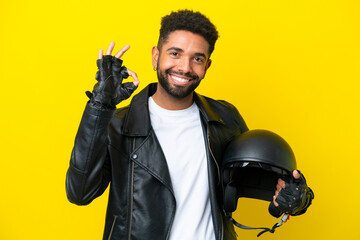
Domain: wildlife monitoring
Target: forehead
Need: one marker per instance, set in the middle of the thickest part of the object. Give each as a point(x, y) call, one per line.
point(186, 41)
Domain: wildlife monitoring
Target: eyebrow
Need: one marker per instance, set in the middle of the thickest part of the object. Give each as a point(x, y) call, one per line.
point(200, 55)
point(175, 48)
point(180, 50)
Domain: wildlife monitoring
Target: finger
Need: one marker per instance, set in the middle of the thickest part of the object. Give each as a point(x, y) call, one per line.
point(276, 194)
point(110, 48)
point(278, 187)
point(281, 183)
point(134, 76)
point(100, 54)
point(275, 203)
point(120, 53)
point(296, 174)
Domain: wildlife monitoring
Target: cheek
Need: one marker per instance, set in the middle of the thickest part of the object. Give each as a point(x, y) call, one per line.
point(200, 71)
point(166, 63)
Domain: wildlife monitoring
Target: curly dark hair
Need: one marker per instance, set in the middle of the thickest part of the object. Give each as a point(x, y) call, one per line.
point(189, 20)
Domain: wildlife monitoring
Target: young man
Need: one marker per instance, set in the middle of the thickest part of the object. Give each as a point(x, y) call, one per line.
point(162, 154)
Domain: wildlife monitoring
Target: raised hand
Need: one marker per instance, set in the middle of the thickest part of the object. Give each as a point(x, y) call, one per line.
point(109, 91)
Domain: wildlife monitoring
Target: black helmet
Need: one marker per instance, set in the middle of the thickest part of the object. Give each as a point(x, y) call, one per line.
point(252, 164)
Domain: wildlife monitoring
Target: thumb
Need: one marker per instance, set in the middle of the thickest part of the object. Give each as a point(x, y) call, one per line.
point(296, 174)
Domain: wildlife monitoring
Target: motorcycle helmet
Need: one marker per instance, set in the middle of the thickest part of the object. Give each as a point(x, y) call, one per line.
point(252, 164)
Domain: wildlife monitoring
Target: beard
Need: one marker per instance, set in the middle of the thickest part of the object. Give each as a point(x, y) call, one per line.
point(176, 91)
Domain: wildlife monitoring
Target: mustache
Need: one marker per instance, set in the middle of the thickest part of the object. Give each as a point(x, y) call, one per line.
point(193, 77)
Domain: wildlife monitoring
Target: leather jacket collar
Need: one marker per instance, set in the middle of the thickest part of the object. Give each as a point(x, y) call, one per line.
point(137, 122)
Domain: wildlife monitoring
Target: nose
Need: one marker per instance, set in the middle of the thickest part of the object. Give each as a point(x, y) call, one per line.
point(184, 65)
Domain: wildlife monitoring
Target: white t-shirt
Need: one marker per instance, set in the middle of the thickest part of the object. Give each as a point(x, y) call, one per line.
point(181, 138)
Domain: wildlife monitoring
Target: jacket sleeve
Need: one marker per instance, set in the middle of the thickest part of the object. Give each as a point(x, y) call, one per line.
point(89, 172)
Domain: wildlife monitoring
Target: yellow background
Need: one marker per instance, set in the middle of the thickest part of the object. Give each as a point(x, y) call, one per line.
point(289, 66)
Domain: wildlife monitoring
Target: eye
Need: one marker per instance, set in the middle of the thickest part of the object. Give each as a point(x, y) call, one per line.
point(199, 59)
point(175, 54)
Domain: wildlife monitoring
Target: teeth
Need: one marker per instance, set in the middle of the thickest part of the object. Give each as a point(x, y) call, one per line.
point(180, 79)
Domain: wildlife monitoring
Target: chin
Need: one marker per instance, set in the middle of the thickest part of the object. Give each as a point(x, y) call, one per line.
point(179, 92)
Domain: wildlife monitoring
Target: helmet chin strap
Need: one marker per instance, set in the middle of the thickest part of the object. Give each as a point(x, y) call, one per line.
point(284, 218)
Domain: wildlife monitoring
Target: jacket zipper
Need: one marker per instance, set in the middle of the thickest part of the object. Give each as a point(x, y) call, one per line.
point(112, 228)
point(131, 192)
point(212, 154)
point(218, 169)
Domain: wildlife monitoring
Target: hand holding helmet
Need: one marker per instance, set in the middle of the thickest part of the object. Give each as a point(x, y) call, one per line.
point(252, 164)
point(292, 196)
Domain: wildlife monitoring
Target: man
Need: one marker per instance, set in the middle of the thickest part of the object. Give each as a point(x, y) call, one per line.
point(161, 155)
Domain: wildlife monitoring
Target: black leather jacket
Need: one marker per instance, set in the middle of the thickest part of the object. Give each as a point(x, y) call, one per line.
point(123, 150)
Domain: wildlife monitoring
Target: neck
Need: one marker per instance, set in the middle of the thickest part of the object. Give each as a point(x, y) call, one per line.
point(165, 100)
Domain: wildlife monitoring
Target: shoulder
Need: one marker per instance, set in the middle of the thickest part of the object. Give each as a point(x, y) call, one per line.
point(221, 104)
point(224, 110)
point(117, 122)
point(121, 112)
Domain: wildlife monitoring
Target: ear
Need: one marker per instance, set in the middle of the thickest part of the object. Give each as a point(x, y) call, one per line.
point(155, 56)
point(208, 64)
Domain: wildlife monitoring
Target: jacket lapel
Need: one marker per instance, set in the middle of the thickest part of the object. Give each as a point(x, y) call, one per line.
point(212, 120)
point(149, 155)
point(137, 121)
point(148, 152)
point(206, 110)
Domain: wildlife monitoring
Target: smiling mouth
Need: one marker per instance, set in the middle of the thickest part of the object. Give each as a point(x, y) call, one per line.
point(179, 79)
